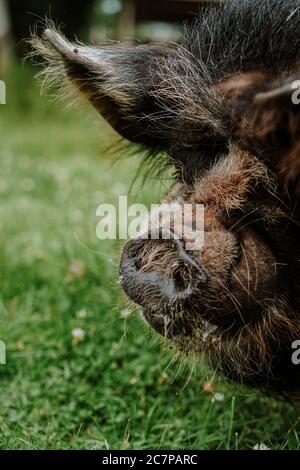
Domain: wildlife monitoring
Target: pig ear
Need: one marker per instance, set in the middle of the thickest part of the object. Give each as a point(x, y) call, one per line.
point(272, 123)
point(118, 79)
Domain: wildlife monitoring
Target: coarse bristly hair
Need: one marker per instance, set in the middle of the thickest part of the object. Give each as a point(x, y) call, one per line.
point(219, 107)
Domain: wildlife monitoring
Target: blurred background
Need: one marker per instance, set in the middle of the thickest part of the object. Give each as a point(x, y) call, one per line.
point(97, 19)
point(83, 372)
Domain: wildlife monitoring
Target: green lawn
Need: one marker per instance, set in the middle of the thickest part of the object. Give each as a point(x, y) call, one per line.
point(118, 387)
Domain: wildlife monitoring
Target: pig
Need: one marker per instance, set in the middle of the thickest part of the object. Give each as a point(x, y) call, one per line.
point(221, 109)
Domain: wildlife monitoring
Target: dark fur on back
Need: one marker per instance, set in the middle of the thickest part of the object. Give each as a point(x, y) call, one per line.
point(181, 107)
point(237, 38)
point(247, 35)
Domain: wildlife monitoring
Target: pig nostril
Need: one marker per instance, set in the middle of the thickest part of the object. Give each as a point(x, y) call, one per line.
point(155, 289)
point(137, 264)
point(179, 281)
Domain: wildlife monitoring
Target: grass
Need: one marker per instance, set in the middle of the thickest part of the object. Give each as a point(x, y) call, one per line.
point(118, 388)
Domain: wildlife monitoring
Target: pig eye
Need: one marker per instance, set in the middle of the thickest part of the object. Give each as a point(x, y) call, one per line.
point(188, 146)
point(191, 160)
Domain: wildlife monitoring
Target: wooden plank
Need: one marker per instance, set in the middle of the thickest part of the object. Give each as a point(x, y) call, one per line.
point(4, 22)
point(170, 11)
point(4, 36)
point(127, 20)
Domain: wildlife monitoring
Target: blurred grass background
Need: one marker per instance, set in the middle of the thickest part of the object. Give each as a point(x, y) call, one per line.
point(118, 387)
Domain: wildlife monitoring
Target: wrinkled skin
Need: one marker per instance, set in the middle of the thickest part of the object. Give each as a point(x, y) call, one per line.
point(223, 115)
